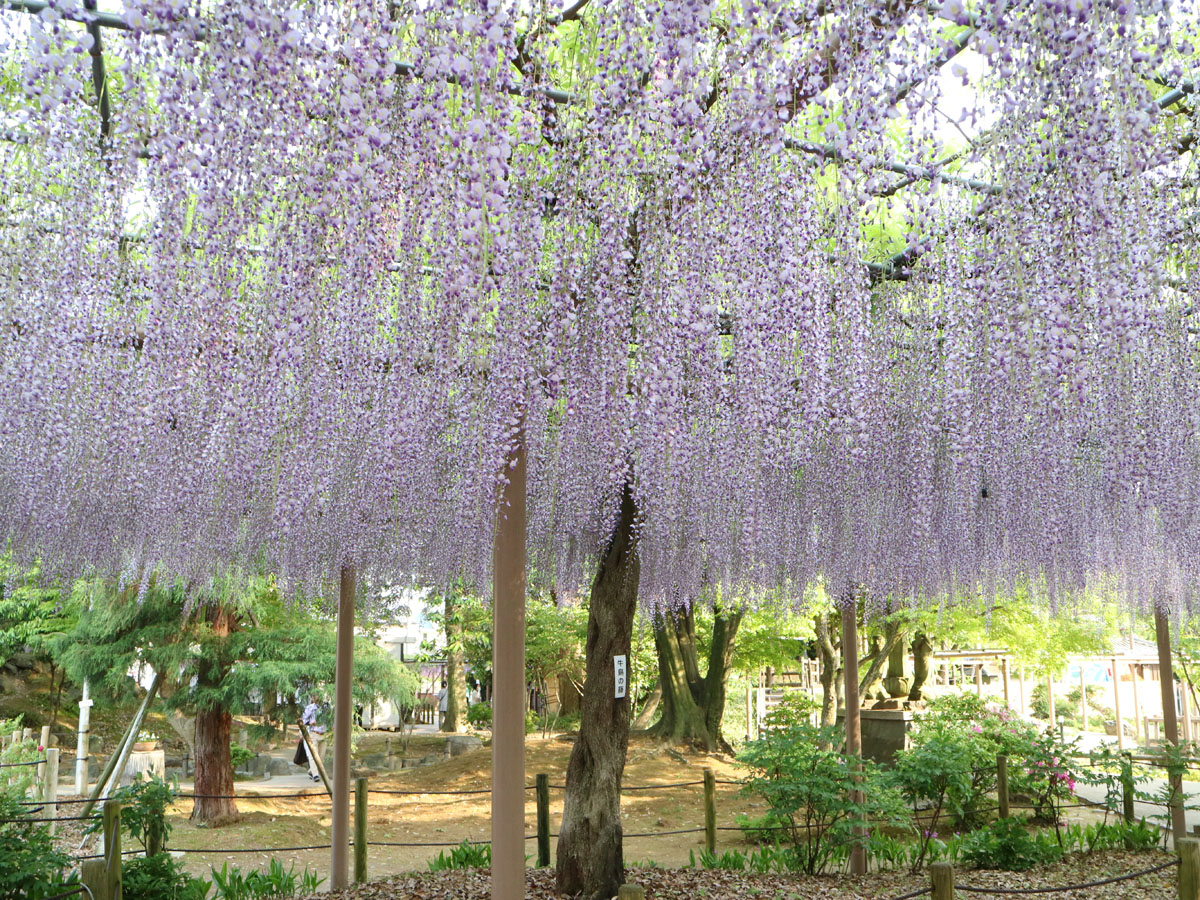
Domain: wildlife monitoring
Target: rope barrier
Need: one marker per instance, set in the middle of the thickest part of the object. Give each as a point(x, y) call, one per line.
point(36, 762)
point(433, 793)
point(79, 890)
point(909, 896)
point(1071, 887)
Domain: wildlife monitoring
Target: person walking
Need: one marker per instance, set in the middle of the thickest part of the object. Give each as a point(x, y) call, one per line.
point(316, 732)
point(443, 704)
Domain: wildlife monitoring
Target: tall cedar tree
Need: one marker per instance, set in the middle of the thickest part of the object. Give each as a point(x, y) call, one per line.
point(216, 655)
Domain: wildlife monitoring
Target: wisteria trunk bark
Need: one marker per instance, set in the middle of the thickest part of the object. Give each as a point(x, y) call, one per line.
point(922, 651)
point(214, 804)
point(590, 861)
point(693, 705)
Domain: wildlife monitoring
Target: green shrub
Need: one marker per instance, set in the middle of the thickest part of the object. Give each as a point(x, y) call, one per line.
point(765, 829)
point(144, 812)
point(480, 715)
point(30, 867)
point(234, 884)
point(979, 731)
point(465, 856)
point(159, 877)
point(240, 755)
point(1006, 844)
point(937, 772)
point(1039, 705)
point(15, 779)
point(807, 786)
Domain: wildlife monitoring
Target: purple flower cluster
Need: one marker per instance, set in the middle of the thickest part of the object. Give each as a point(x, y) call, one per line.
point(336, 257)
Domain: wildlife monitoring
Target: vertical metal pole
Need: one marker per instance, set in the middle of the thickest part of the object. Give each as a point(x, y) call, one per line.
point(1162, 634)
point(1024, 711)
point(343, 716)
point(1004, 675)
point(508, 686)
point(749, 712)
point(1116, 676)
point(858, 852)
point(979, 678)
point(83, 742)
point(50, 785)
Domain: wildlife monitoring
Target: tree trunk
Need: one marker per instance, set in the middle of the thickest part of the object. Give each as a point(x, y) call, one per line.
point(456, 681)
point(693, 706)
point(590, 861)
point(214, 766)
point(880, 651)
point(827, 653)
point(646, 716)
point(922, 652)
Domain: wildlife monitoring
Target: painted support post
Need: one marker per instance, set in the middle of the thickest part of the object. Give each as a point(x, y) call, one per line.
point(1162, 634)
point(749, 712)
point(1004, 677)
point(941, 876)
point(1189, 868)
point(1001, 785)
point(112, 848)
point(1117, 705)
point(1137, 703)
point(858, 851)
point(631, 892)
point(710, 811)
point(979, 678)
point(50, 785)
point(543, 819)
point(360, 831)
point(343, 717)
point(1024, 710)
point(508, 686)
point(82, 742)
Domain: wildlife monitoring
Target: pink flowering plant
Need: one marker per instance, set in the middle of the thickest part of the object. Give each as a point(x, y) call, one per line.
point(1047, 777)
point(978, 731)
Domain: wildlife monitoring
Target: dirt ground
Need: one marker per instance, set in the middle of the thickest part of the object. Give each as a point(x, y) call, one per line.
point(268, 822)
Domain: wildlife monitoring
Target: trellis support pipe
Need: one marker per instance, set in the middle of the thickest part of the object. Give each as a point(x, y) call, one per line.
point(82, 743)
point(508, 683)
point(343, 715)
point(858, 850)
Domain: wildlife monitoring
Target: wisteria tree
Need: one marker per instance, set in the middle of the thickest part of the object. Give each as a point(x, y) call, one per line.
point(894, 296)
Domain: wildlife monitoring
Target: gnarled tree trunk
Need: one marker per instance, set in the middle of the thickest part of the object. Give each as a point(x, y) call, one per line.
point(922, 651)
point(693, 705)
point(590, 860)
point(828, 656)
point(214, 765)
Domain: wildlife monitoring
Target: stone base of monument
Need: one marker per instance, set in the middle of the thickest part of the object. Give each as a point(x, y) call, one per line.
point(884, 732)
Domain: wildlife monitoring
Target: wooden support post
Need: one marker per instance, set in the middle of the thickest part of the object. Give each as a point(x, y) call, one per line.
point(50, 785)
point(508, 686)
point(631, 892)
point(1024, 710)
point(941, 876)
point(82, 742)
point(1001, 785)
point(1004, 678)
point(1162, 634)
point(343, 718)
point(1117, 705)
point(1127, 792)
point(94, 875)
point(710, 811)
point(749, 712)
point(43, 746)
point(1189, 868)
point(543, 819)
point(360, 831)
point(112, 848)
point(858, 851)
point(1050, 697)
point(979, 678)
